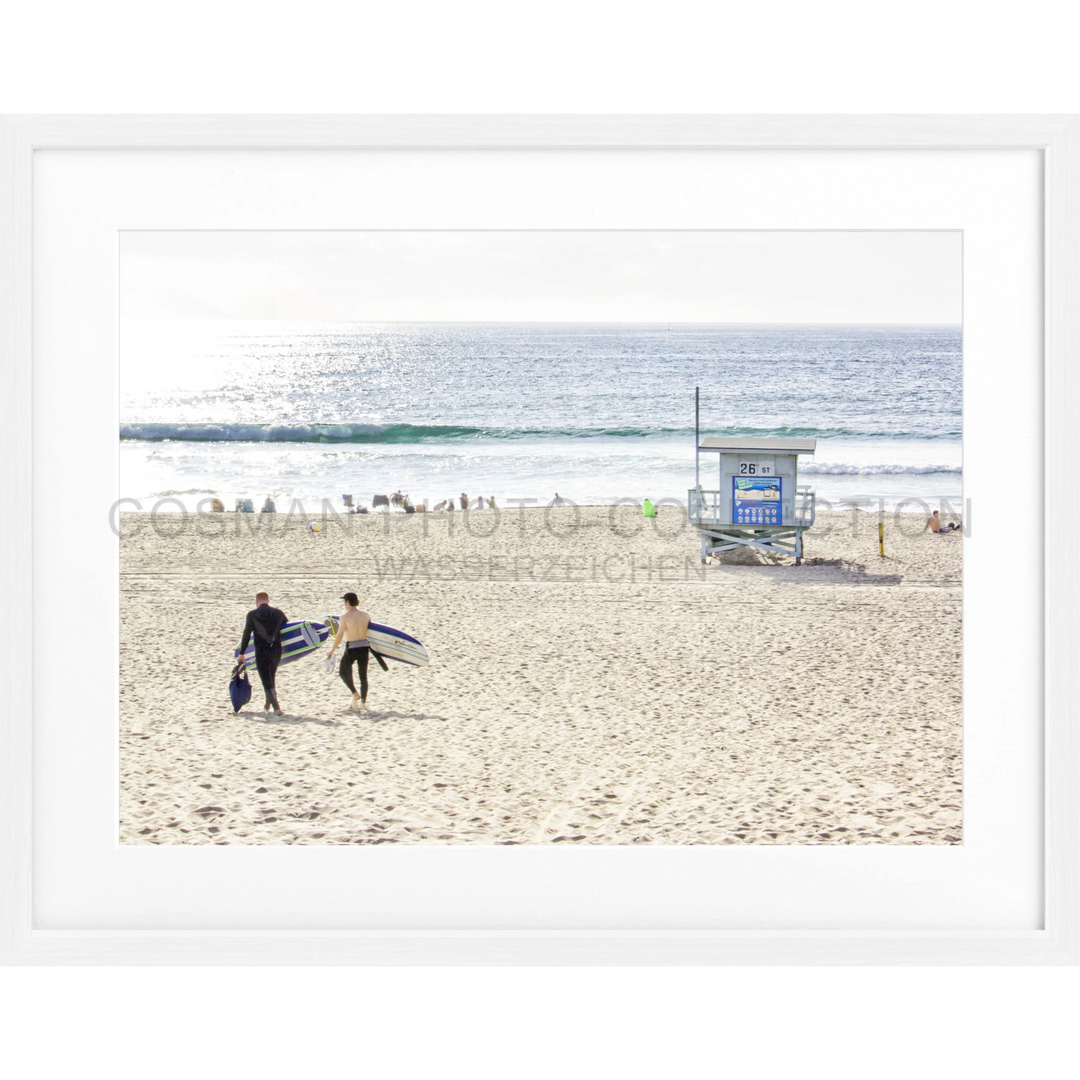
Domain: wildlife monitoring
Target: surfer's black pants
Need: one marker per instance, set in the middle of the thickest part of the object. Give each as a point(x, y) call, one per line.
point(360, 655)
point(266, 663)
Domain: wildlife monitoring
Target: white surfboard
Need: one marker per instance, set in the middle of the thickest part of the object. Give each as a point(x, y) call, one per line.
point(392, 643)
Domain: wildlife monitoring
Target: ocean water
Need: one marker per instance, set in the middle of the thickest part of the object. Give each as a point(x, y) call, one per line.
point(595, 413)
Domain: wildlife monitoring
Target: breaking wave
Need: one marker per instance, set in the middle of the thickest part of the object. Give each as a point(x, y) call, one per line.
point(412, 433)
point(840, 469)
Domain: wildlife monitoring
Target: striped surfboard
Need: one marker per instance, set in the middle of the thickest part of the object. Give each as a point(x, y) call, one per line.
point(297, 639)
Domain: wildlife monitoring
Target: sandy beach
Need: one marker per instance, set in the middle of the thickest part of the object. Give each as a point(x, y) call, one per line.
point(591, 683)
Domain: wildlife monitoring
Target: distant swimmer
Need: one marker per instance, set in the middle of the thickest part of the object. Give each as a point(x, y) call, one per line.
point(557, 501)
point(264, 625)
point(353, 627)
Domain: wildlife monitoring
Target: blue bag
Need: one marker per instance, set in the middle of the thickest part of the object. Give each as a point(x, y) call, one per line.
point(239, 688)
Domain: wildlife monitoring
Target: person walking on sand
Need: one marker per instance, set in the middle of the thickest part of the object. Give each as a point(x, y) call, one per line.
point(353, 627)
point(264, 624)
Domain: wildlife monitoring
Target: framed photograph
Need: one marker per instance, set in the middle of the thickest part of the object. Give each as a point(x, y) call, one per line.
point(540, 540)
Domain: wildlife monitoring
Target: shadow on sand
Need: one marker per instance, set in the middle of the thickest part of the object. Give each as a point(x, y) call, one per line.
point(818, 572)
point(389, 714)
point(290, 719)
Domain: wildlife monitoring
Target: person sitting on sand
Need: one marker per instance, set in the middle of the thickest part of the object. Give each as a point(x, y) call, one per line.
point(557, 501)
point(464, 501)
point(264, 623)
point(353, 627)
point(439, 506)
point(450, 506)
point(479, 502)
point(933, 523)
point(491, 502)
point(269, 507)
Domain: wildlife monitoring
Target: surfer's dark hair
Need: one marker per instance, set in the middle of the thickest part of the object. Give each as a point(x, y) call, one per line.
point(351, 598)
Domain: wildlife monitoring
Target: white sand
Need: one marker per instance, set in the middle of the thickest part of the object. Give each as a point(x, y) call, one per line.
point(585, 687)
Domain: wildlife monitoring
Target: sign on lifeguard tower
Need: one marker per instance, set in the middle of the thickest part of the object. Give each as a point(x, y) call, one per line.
point(757, 501)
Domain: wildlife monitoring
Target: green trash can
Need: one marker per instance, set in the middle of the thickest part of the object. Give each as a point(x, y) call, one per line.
point(647, 509)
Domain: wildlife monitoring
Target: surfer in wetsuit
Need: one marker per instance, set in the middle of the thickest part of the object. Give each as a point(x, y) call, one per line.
point(264, 626)
point(353, 627)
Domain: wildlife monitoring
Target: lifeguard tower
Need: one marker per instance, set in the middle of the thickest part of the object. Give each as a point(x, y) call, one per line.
point(758, 501)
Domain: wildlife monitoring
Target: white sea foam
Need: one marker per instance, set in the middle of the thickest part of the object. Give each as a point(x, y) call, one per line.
point(823, 468)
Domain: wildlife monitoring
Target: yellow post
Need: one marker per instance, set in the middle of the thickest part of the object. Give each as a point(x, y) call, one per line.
point(881, 538)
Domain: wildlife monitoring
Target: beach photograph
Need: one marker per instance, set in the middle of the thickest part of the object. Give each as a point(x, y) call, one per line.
point(540, 537)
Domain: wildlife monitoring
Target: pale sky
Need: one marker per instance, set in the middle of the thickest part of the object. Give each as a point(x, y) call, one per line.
point(544, 276)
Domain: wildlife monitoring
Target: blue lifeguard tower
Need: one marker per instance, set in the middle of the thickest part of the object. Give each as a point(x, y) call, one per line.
point(757, 502)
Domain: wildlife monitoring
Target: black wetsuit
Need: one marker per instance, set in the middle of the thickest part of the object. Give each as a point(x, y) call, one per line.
point(264, 626)
point(358, 651)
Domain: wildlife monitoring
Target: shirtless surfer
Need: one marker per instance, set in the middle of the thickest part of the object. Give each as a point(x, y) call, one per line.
point(353, 627)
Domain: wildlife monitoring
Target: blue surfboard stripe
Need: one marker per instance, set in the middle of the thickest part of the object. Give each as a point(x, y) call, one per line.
point(393, 632)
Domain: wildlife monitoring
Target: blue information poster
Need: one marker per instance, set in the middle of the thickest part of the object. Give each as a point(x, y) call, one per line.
point(755, 500)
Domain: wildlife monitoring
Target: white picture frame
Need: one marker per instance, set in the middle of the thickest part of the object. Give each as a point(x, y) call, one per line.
point(1056, 139)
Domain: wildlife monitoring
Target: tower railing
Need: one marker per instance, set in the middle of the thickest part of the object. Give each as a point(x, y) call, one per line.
point(703, 507)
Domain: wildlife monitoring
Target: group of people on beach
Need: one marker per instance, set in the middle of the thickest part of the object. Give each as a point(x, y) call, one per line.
point(403, 502)
point(477, 503)
point(263, 626)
